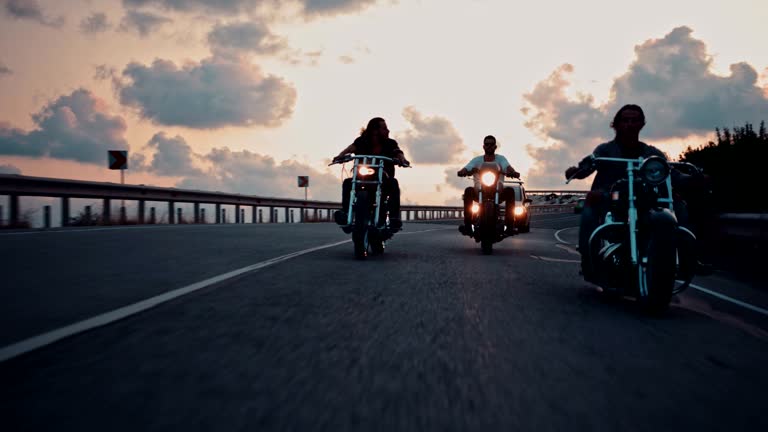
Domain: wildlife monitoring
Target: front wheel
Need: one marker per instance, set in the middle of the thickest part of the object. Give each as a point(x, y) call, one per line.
point(360, 229)
point(488, 222)
point(657, 273)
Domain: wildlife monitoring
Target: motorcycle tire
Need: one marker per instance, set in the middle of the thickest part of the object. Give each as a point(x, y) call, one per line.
point(360, 225)
point(659, 272)
point(488, 229)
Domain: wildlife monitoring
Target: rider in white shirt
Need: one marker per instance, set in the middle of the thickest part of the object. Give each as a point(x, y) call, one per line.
point(470, 193)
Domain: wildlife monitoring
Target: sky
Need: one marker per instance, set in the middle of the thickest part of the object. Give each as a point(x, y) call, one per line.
point(243, 96)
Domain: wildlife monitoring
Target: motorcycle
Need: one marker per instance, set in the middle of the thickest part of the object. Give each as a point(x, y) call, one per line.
point(640, 250)
point(368, 215)
point(488, 221)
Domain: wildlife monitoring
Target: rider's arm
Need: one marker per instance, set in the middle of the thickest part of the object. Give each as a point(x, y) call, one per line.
point(349, 150)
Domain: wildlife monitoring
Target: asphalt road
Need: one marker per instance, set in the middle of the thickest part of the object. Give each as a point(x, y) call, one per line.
point(433, 335)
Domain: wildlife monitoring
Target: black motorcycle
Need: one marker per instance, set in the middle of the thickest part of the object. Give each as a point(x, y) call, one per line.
point(368, 215)
point(488, 221)
point(640, 250)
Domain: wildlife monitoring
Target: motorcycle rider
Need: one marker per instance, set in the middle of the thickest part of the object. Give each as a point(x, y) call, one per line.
point(627, 123)
point(470, 193)
point(374, 140)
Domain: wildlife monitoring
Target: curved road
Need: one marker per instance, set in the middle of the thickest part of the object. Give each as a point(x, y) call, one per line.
point(431, 336)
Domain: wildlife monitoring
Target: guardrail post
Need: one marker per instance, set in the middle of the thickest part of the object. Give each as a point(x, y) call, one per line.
point(223, 215)
point(253, 214)
point(47, 217)
point(106, 212)
point(179, 218)
point(242, 215)
point(88, 215)
point(1, 215)
point(142, 204)
point(288, 215)
point(171, 219)
point(123, 217)
point(64, 211)
point(152, 215)
point(202, 215)
point(218, 213)
point(237, 214)
point(302, 215)
point(196, 211)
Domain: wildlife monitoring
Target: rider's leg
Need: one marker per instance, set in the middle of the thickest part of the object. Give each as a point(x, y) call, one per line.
point(340, 216)
point(469, 197)
point(509, 213)
point(392, 188)
point(590, 220)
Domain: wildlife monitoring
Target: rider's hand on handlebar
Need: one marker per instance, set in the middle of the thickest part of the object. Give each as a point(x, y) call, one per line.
point(570, 172)
point(462, 172)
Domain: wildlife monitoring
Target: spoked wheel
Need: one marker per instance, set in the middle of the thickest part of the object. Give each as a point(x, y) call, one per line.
point(360, 230)
point(657, 273)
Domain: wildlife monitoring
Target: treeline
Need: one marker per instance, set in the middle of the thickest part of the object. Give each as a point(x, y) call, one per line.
point(736, 164)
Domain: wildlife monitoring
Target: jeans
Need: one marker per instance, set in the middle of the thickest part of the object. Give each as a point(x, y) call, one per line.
point(507, 195)
point(389, 188)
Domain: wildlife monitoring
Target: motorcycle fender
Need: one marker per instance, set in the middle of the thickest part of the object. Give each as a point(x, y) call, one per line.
point(663, 219)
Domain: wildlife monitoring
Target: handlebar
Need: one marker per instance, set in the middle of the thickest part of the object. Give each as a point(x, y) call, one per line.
point(347, 158)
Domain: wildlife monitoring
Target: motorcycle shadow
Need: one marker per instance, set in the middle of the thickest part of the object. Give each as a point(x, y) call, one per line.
point(594, 296)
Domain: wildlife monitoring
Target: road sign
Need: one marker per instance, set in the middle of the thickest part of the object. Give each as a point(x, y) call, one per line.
point(118, 159)
point(303, 181)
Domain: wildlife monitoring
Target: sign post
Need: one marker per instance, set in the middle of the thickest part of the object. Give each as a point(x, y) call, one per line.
point(118, 160)
point(304, 182)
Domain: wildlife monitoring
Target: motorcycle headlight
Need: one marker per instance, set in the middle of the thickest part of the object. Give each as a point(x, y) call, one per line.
point(364, 170)
point(519, 211)
point(654, 170)
point(488, 178)
point(475, 207)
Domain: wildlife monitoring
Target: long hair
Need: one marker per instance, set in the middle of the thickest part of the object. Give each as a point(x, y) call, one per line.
point(372, 125)
point(624, 108)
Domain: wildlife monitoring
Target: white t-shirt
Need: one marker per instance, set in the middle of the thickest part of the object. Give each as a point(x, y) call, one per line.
point(478, 161)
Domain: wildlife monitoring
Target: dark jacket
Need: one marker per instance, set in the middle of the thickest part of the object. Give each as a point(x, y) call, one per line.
point(389, 148)
point(610, 173)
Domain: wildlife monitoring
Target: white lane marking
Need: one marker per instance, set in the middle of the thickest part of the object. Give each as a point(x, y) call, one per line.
point(557, 235)
point(543, 258)
point(569, 249)
point(694, 286)
point(429, 230)
point(48, 338)
point(731, 299)
point(44, 339)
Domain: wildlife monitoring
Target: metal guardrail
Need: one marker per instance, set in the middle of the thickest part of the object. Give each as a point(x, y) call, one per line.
point(16, 186)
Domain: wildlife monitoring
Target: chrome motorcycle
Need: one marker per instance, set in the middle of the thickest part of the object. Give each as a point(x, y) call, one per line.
point(368, 215)
point(488, 220)
point(640, 249)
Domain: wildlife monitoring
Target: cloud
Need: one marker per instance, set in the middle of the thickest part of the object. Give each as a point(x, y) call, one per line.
point(346, 59)
point(4, 70)
point(431, 140)
point(173, 156)
point(195, 6)
point(75, 127)
point(251, 173)
point(9, 169)
point(670, 78)
point(214, 93)
point(236, 39)
point(31, 10)
point(142, 23)
point(308, 8)
point(95, 23)
point(313, 8)
point(452, 180)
